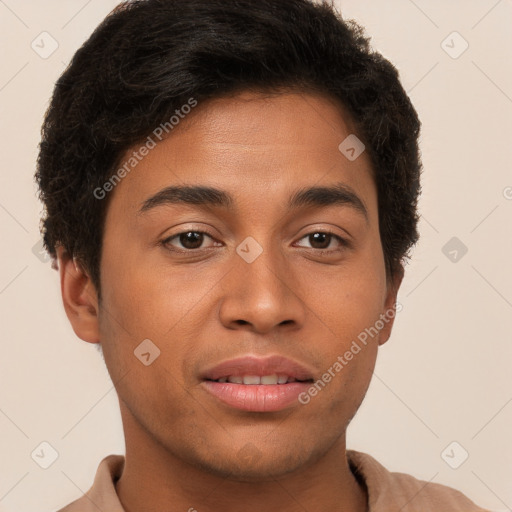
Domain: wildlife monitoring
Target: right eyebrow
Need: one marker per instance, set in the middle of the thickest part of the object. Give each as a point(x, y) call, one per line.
point(196, 195)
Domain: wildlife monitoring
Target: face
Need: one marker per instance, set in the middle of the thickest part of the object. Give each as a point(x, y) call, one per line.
point(184, 274)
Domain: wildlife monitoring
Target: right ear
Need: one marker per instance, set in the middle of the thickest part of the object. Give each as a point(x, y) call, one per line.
point(79, 297)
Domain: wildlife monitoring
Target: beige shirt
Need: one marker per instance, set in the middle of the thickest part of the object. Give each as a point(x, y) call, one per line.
point(387, 491)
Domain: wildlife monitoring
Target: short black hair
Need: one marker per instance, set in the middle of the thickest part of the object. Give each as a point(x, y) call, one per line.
point(149, 57)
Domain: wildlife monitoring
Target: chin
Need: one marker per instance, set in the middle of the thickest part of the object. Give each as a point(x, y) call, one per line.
point(250, 463)
point(266, 469)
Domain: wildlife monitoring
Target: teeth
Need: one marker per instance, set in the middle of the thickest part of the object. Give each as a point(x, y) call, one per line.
point(256, 379)
point(251, 379)
point(269, 379)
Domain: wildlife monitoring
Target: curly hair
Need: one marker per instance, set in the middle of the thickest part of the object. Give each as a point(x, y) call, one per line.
point(148, 57)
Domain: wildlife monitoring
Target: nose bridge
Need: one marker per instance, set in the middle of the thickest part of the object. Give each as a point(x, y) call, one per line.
point(261, 290)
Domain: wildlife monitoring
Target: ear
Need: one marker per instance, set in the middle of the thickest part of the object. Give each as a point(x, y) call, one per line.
point(390, 306)
point(79, 297)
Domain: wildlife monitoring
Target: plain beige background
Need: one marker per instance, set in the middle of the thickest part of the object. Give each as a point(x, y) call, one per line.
point(445, 374)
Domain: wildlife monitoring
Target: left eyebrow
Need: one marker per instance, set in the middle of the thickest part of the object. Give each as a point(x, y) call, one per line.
point(205, 196)
point(338, 194)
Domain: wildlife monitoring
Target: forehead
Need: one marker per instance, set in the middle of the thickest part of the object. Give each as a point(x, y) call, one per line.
point(289, 123)
point(248, 112)
point(250, 144)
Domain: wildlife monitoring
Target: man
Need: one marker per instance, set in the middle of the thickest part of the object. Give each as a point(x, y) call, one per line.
point(231, 193)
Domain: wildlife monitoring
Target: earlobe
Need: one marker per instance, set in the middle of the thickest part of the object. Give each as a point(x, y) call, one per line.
point(390, 306)
point(79, 297)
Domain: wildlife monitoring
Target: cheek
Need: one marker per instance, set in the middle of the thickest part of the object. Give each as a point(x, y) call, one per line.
point(348, 303)
point(149, 302)
point(148, 298)
point(348, 308)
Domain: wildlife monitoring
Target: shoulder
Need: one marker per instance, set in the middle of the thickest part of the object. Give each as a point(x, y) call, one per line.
point(399, 491)
point(102, 494)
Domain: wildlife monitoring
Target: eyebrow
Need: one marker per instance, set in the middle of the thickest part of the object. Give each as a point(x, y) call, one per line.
point(199, 195)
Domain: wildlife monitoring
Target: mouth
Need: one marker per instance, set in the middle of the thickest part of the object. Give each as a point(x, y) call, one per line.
point(264, 380)
point(257, 384)
point(253, 369)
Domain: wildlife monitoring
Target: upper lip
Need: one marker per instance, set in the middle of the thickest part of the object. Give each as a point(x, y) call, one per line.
point(255, 365)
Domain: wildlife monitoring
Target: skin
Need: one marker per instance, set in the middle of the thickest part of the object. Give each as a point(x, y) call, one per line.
point(185, 449)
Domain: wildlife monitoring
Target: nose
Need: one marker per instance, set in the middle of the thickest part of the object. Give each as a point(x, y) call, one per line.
point(263, 295)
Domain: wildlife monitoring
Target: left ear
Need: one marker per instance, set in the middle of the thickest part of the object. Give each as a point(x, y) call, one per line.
point(390, 310)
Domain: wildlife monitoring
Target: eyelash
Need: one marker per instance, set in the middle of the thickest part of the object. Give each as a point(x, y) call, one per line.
point(344, 243)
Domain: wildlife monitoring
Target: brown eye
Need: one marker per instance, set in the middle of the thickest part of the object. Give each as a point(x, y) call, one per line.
point(191, 239)
point(186, 241)
point(322, 240)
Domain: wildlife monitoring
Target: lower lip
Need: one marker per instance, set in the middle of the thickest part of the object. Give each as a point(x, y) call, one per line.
point(257, 397)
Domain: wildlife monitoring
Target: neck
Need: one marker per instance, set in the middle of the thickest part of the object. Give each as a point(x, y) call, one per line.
point(154, 479)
